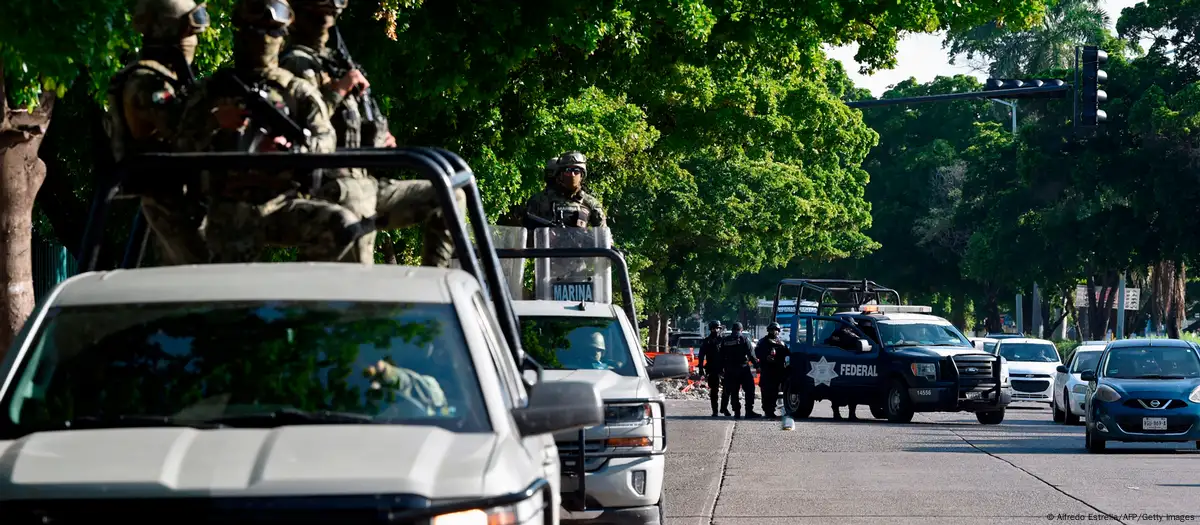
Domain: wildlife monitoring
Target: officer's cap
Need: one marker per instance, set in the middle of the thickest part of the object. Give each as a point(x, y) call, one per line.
point(737, 327)
point(714, 325)
point(773, 326)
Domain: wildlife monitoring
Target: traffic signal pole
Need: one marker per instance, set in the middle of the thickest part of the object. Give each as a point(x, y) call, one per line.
point(1023, 92)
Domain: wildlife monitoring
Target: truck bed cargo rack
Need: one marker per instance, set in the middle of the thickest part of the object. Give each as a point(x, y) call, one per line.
point(837, 294)
point(140, 174)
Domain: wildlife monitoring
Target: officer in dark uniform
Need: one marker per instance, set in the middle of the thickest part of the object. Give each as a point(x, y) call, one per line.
point(710, 351)
point(771, 352)
point(737, 358)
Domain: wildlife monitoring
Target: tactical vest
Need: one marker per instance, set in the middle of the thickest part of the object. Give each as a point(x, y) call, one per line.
point(347, 119)
point(119, 135)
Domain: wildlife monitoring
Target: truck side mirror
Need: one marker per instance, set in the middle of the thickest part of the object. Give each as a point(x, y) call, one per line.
point(864, 346)
point(559, 406)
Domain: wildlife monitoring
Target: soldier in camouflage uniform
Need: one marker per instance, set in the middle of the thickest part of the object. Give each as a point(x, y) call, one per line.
point(145, 102)
point(393, 203)
point(564, 198)
point(251, 209)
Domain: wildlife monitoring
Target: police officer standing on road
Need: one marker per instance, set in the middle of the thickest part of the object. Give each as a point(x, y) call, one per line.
point(737, 358)
point(710, 352)
point(771, 352)
point(145, 104)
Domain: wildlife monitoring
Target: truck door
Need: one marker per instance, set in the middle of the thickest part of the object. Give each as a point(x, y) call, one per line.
point(838, 362)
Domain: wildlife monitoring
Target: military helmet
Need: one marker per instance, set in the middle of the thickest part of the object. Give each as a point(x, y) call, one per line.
point(714, 325)
point(773, 326)
point(572, 159)
point(264, 15)
point(331, 5)
point(551, 167)
point(169, 19)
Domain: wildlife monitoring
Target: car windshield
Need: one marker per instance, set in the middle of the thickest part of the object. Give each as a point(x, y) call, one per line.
point(1029, 352)
point(921, 334)
point(577, 343)
point(1085, 361)
point(367, 362)
point(1152, 362)
point(990, 347)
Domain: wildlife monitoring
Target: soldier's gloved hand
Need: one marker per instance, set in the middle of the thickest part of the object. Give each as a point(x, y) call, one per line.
point(231, 115)
point(353, 80)
point(390, 141)
point(276, 144)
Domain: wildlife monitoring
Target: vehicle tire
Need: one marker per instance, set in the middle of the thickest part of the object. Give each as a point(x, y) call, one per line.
point(991, 417)
point(1059, 415)
point(878, 412)
point(1198, 444)
point(898, 407)
point(797, 404)
point(1094, 445)
point(662, 513)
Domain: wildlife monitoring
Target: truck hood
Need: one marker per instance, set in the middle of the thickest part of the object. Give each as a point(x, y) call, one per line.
point(283, 461)
point(937, 351)
point(609, 384)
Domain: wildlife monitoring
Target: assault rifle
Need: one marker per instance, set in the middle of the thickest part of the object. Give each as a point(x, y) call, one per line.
point(370, 126)
point(265, 118)
point(534, 221)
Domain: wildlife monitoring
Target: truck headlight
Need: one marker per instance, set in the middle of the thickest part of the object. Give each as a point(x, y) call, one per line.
point(1195, 395)
point(639, 414)
point(926, 370)
point(494, 516)
point(1079, 389)
point(1106, 394)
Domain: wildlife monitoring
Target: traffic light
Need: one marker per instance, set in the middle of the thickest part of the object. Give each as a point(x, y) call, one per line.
point(1091, 95)
point(996, 84)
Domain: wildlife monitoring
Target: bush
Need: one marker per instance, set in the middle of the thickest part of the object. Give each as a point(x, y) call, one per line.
point(1066, 348)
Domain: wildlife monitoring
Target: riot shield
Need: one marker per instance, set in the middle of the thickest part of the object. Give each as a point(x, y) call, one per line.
point(584, 279)
point(507, 237)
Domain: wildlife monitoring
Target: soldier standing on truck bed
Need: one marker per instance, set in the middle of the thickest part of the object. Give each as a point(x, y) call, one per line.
point(737, 358)
point(564, 202)
point(359, 123)
point(771, 353)
point(249, 209)
point(145, 103)
point(710, 364)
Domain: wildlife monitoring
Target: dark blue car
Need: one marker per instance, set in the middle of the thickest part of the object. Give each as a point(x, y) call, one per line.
point(1144, 390)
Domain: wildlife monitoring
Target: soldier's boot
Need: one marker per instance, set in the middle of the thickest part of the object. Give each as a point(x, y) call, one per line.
point(837, 412)
point(725, 411)
point(853, 416)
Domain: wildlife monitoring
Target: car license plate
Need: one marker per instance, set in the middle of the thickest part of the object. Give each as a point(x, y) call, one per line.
point(973, 395)
point(1154, 423)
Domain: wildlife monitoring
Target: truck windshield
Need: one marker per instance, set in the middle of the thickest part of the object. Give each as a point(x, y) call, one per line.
point(1152, 362)
point(921, 334)
point(690, 342)
point(1029, 352)
point(577, 343)
point(240, 362)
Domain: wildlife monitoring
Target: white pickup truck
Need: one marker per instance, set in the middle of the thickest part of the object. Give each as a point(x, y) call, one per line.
point(612, 473)
point(226, 393)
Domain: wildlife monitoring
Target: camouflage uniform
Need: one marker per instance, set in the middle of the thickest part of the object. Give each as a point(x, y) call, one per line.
point(145, 101)
point(394, 203)
point(249, 210)
point(573, 205)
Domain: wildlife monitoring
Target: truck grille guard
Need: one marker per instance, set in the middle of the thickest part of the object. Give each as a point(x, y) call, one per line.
point(576, 500)
point(373, 509)
point(993, 393)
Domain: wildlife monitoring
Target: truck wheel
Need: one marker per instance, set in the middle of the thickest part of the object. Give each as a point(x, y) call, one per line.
point(898, 408)
point(662, 514)
point(878, 412)
point(991, 417)
point(797, 404)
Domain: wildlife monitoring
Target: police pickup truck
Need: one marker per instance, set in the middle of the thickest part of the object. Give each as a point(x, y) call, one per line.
point(896, 359)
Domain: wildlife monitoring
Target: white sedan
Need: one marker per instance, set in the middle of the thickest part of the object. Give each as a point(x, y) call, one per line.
point(1031, 365)
point(1069, 390)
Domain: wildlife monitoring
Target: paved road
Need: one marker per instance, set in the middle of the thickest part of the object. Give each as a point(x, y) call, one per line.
point(942, 468)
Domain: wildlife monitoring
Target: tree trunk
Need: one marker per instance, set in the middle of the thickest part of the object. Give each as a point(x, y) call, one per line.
point(1102, 294)
point(992, 323)
point(389, 250)
point(664, 332)
point(21, 174)
point(959, 314)
point(652, 343)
